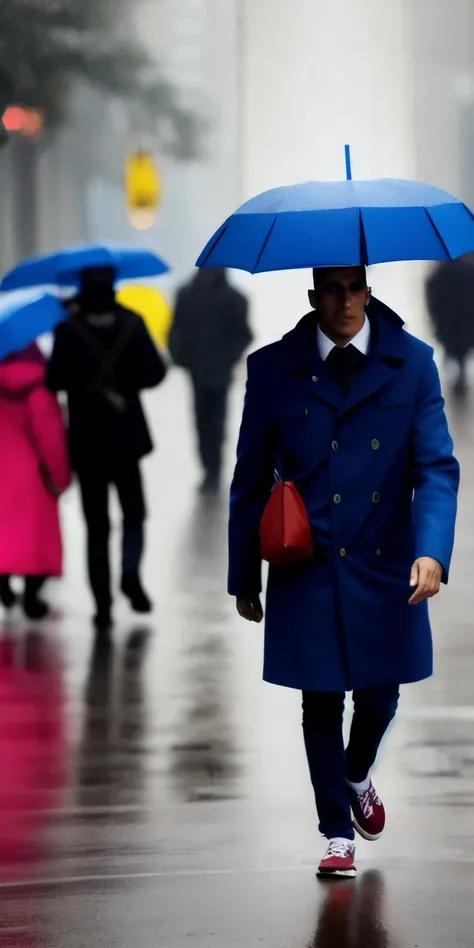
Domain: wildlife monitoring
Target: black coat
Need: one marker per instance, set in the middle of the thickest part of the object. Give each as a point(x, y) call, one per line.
point(210, 331)
point(106, 419)
point(450, 299)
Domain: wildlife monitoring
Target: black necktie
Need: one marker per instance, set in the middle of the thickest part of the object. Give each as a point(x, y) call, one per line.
point(344, 364)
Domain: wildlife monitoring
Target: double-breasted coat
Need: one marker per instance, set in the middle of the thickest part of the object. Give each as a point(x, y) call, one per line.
point(377, 473)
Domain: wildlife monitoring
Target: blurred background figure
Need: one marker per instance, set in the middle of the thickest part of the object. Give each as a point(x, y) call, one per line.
point(102, 357)
point(209, 336)
point(450, 301)
point(33, 473)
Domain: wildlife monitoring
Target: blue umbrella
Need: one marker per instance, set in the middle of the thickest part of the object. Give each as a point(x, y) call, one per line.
point(23, 320)
point(342, 223)
point(63, 268)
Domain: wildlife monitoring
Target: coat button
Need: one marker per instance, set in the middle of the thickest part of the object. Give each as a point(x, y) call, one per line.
point(342, 552)
point(375, 444)
point(315, 378)
point(376, 497)
point(337, 498)
point(335, 446)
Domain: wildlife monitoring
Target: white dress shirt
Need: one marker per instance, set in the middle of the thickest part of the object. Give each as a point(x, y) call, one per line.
point(360, 342)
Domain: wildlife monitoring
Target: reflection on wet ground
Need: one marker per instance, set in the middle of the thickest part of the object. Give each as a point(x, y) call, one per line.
point(154, 792)
point(203, 763)
point(352, 916)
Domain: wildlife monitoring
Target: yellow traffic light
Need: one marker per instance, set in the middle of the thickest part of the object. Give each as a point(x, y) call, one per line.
point(143, 188)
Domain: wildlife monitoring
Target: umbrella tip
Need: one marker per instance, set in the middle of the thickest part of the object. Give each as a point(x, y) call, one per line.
point(348, 163)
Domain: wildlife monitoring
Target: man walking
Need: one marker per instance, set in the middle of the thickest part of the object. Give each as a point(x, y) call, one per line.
point(348, 406)
point(450, 301)
point(209, 335)
point(102, 357)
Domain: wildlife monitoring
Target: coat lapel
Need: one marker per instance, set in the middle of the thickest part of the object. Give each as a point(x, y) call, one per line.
point(306, 366)
point(386, 356)
point(375, 374)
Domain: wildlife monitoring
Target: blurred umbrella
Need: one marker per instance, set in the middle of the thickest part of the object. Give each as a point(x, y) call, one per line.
point(23, 320)
point(64, 267)
point(152, 307)
point(342, 223)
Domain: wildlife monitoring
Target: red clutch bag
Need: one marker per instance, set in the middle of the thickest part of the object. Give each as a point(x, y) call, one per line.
point(285, 531)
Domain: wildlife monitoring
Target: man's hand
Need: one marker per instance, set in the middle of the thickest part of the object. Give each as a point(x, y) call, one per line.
point(250, 609)
point(426, 575)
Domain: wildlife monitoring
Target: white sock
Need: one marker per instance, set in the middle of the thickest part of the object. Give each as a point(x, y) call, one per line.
point(360, 787)
point(341, 841)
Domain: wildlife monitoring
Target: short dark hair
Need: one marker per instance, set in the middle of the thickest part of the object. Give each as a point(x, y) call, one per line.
point(320, 273)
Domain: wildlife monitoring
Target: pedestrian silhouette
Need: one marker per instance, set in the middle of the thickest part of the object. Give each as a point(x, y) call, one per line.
point(209, 335)
point(33, 473)
point(450, 300)
point(102, 357)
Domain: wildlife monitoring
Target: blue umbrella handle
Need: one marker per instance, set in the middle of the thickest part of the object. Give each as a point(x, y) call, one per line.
point(348, 163)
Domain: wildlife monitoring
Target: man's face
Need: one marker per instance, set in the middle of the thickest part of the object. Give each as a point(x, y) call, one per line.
point(97, 289)
point(340, 299)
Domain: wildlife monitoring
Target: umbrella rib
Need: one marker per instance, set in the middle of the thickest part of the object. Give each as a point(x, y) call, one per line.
point(364, 253)
point(265, 242)
point(440, 238)
point(220, 233)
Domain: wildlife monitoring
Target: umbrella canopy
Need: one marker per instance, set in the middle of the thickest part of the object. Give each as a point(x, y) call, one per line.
point(152, 307)
point(342, 223)
point(22, 321)
point(64, 267)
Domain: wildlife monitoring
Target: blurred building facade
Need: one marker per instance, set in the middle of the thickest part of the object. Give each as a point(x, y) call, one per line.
point(79, 170)
point(324, 74)
point(394, 78)
point(198, 44)
point(282, 87)
point(443, 76)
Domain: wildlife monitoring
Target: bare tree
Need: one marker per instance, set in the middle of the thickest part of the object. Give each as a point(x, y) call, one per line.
point(47, 45)
point(46, 48)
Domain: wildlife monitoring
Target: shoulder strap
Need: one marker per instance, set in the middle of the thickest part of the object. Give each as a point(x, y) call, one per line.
point(109, 358)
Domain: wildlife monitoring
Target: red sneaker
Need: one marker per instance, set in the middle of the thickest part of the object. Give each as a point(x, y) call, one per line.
point(369, 813)
point(339, 859)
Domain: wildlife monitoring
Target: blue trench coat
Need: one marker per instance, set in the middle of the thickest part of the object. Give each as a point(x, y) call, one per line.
point(377, 473)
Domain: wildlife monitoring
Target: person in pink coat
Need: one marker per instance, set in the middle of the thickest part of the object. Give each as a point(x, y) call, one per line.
point(34, 471)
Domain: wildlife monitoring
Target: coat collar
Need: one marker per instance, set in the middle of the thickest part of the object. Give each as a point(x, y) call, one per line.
point(387, 354)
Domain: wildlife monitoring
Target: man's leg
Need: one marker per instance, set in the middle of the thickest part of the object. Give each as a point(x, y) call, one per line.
point(210, 409)
point(217, 410)
point(128, 481)
point(94, 487)
point(34, 606)
point(322, 728)
point(374, 710)
point(460, 386)
point(201, 414)
point(7, 594)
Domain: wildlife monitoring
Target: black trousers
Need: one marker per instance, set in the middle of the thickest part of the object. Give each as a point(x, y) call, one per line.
point(210, 407)
point(330, 765)
point(95, 484)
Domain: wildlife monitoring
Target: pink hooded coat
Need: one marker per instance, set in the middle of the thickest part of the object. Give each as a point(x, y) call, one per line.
point(32, 438)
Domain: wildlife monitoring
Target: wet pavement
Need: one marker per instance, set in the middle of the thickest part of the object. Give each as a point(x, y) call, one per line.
point(155, 793)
